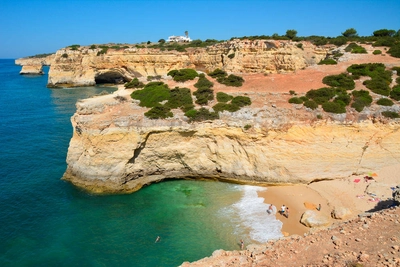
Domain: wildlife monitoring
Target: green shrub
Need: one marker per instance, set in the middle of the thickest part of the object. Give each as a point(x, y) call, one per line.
point(300, 45)
point(180, 98)
point(135, 83)
point(342, 98)
point(350, 47)
point(247, 126)
point(41, 55)
point(378, 85)
point(327, 61)
point(203, 95)
point(390, 114)
point(338, 41)
point(359, 50)
point(219, 107)
point(388, 41)
point(333, 107)
point(304, 98)
point(152, 94)
point(342, 80)
point(183, 75)
point(377, 52)
point(158, 112)
point(223, 97)
point(397, 69)
point(385, 102)
point(241, 101)
point(321, 95)
point(231, 55)
point(93, 47)
point(292, 92)
point(203, 82)
point(103, 50)
point(355, 48)
point(152, 78)
point(201, 115)
point(65, 55)
point(320, 41)
point(367, 69)
point(361, 99)
point(231, 80)
point(336, 55)
point(217, 73)
point(310, 104)
point(398, 80)
point(394, 51)
point(295, 100)
point(395, 93)
point(380, 78)
point(74, 47)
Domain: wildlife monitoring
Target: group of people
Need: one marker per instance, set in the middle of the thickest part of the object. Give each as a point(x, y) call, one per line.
point(283, 211)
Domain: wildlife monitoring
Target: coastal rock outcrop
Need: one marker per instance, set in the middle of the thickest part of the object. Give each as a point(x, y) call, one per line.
point(90, 66)
point(115, 148)
point(34, 65)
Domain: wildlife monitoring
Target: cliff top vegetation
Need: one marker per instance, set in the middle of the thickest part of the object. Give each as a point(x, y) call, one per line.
point(382, 37)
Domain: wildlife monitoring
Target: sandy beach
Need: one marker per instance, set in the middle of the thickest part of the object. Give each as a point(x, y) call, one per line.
point(352, 192)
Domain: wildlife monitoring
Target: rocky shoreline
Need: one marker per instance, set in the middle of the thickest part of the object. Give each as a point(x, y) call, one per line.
point(371, 239)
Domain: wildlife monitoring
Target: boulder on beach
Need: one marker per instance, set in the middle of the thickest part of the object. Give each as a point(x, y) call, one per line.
point(340, 213)
point(312, 219)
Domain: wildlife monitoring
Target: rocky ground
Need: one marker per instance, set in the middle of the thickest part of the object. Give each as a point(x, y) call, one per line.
point(371, 239)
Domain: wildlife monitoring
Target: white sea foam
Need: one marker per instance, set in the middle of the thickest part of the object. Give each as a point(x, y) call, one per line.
point(253, 215)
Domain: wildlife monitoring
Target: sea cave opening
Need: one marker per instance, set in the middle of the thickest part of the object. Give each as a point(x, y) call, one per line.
point(110, 77)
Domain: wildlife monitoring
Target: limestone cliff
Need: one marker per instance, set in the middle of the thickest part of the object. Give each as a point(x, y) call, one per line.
point(86, 66)
point(32, 65)
point(114, 148)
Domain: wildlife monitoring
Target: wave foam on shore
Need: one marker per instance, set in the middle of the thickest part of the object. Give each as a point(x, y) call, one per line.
point(253, 214)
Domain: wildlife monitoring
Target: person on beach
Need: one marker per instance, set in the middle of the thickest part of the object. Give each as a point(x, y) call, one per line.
point(319, 207)
point(282, 211)
point(241, 243)
point(157, 239)
point(287, 212)
point(270, 210)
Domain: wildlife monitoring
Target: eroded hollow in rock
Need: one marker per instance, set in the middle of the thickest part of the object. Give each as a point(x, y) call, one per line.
point(113, 77)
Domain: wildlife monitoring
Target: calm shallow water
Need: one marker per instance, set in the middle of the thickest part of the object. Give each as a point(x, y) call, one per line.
point(46, 221)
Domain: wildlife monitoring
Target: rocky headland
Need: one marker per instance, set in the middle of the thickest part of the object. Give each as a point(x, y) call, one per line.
point(116, 149)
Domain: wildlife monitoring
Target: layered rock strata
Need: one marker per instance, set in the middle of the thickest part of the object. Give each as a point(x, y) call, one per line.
point(114, 148)
point(86, 66)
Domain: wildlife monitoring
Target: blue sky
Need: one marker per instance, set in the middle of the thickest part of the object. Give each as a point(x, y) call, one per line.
point(30, 27)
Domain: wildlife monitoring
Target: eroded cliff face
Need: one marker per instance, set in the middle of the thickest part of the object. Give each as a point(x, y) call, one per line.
point(116, 149)
point(86, 66)
point(34, 65)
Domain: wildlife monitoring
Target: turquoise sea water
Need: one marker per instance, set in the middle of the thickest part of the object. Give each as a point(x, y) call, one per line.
point(48, 222)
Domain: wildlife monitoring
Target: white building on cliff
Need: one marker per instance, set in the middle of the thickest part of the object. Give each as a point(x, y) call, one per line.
point(180, 39)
